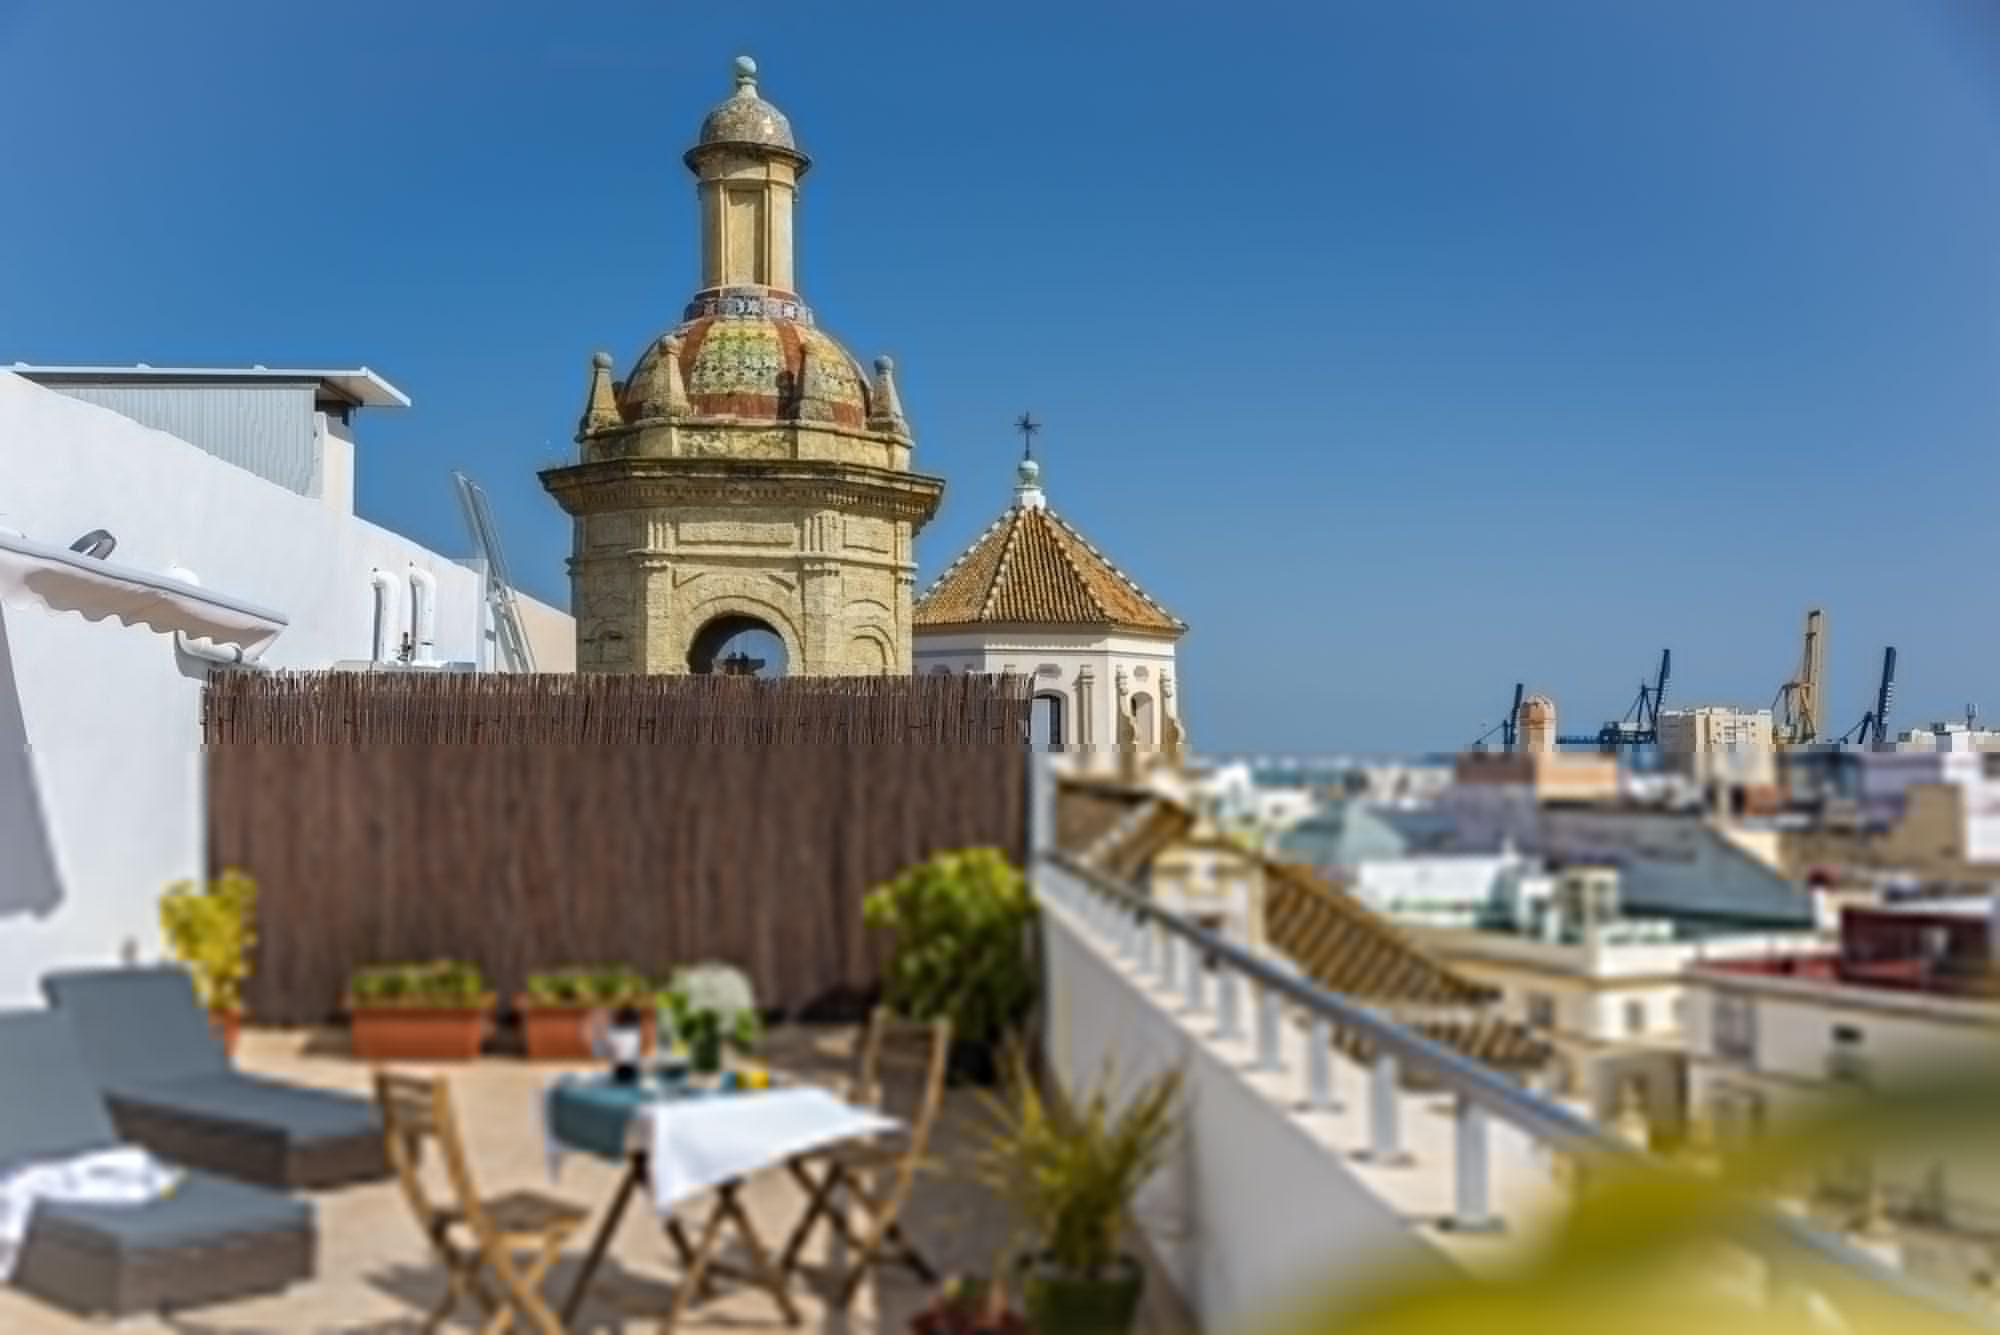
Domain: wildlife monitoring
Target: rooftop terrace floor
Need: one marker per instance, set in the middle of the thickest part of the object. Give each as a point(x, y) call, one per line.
point(376, 1273)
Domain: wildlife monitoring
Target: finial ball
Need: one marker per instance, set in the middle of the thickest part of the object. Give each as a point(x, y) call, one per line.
point(601, 360)
point(885, 364)
point(746, 70)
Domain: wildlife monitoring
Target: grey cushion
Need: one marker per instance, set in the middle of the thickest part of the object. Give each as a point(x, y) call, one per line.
point(50, 1107)
point(301, 1113)
point(137, 1026)
point(201, 1210)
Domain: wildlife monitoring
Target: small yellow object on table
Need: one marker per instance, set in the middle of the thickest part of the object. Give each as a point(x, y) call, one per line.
point(754, 1077)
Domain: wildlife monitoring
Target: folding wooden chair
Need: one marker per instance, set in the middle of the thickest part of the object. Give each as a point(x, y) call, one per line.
point(877, 1174)
point(415, 1111)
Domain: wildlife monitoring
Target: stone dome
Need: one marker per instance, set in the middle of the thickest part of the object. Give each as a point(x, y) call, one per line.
point(763, 366)
point(745, 117)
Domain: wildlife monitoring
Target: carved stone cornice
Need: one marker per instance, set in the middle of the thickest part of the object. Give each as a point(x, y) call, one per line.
point(705, 483)
point(732, 422)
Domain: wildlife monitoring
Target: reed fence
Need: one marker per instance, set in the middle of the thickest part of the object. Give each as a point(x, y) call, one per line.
point(531, 822)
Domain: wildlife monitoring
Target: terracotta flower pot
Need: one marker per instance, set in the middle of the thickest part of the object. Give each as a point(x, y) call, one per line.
point(556, 1031)
point(225, 1022)
point(418, 1031)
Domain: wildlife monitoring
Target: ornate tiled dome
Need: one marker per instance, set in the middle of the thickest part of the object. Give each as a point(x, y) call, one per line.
point(745, 117)
point(761, 366)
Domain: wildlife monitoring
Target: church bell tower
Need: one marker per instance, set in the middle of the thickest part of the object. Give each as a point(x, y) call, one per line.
point(747, 474)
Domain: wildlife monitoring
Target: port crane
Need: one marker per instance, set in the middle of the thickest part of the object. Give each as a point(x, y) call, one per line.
point(1873, 729)
point(1798, 703)
point(1509, 728)
point(1641, 724)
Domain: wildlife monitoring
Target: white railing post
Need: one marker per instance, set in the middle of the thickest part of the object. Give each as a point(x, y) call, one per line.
point(1172, 954)
point(1320, 1095)
point(1196, 977)
point(1270, 1016)
point(1149, 953)
point(1227, 985)
point(1384, 1129)
point(1472, 1210)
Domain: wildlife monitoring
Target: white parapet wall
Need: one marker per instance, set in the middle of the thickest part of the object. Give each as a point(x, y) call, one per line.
point(1264, 1202)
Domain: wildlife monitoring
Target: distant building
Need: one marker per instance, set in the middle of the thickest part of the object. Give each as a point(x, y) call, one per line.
point(1601, 985)
point(1910, 987)
point(1718, 743)
point(1948, 737)
point(1933, 814)
point(1340, 836)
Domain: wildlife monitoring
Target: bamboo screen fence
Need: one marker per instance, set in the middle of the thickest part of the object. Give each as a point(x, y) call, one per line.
point(533, 822)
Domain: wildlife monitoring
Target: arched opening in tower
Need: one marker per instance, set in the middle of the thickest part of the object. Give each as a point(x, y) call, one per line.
point(738, 646)
point(1145, 728)
point(1045, 726)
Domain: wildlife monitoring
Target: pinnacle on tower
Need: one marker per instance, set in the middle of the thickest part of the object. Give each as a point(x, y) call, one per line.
point(656, 390)
point(886, 407)
point(600, 400)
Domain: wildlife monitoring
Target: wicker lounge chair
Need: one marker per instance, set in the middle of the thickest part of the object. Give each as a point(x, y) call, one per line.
point(211, 1240)
point(171, 1088)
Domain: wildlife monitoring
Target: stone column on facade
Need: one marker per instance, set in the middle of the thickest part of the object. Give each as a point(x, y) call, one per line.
point(822, 638)
point(822, 611)
point(1086, 732)
point(661, 644)
point(1126, 740)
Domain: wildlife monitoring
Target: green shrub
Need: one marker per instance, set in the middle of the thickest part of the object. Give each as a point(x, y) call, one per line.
point(210, 928)
point(579, 986)
point(961, 953)
point(434, 983)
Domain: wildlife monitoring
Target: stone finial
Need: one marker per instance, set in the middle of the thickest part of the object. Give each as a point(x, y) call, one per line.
point(677, 395)
point(746, 73)
point(656, 388)
point(885, 410)
point(600, 400)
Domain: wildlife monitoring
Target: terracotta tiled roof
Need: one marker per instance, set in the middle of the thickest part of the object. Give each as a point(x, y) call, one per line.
point(1031, 568)
point(1087, 812)
point(1348, 948)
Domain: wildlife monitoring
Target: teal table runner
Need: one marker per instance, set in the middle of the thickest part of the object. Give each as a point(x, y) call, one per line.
point(592, 1115)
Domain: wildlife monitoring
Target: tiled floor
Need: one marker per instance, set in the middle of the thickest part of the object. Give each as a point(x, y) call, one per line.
point(376, 1274)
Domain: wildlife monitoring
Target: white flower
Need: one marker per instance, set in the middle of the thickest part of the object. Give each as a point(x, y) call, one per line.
point(716, 988)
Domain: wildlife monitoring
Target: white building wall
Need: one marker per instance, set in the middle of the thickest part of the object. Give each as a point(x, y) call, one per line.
point(100, 746)
point(551, 634)
point(1057, 661)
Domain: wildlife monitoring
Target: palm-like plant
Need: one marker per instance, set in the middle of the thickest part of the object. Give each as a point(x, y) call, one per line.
point(1071, 1183)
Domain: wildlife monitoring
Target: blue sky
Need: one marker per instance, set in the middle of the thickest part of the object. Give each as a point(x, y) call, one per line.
point(1405, 350)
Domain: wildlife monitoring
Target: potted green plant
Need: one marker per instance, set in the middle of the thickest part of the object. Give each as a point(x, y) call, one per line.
point(211, 928)
point(555, 1008)
point(435, 1011)
point(1071, 1182)
point(961, 922)
point(704, 1007)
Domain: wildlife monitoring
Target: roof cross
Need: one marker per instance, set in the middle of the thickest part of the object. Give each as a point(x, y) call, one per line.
point(1027, 426)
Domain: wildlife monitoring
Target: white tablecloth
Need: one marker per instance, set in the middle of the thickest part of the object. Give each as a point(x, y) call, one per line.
point(697, 1144)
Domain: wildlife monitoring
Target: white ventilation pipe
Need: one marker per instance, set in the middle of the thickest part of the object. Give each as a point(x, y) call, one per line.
point(229, 655)
point(423, 615)
point(385, 645)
